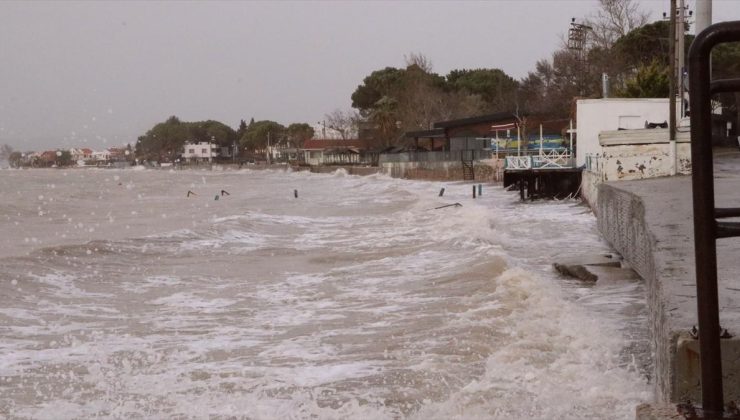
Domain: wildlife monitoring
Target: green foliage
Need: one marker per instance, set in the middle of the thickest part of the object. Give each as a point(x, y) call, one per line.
point(64, 158)
point(651, 81)
point(385, 82)
point(241, 130)
point(297, 133)
point(396, 100)
point(496, 88)
point(165, 140)
point(257, 133)
point(726, 61)
point(384, 118)
point(15, 159)
point(644, 45)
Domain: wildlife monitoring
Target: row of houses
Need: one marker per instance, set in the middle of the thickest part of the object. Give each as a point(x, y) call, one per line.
point(74, 156)
point(313, 152)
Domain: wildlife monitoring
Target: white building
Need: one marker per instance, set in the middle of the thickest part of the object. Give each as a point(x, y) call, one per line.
point(614, 144)
point(200, 152)
point(102, 156)
point(594, 116)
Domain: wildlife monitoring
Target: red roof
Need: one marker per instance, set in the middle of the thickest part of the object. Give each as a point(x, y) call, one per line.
point(332, 144)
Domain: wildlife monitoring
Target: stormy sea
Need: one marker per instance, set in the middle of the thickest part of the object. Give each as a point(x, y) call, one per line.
point(290, 295)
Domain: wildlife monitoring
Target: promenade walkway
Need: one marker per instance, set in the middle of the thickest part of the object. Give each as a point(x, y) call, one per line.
point(650, 222)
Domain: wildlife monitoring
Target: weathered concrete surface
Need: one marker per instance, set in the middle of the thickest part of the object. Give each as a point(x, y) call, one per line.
point(650, 223)
point(490, 170)
point(591, 267)
point(657, 412)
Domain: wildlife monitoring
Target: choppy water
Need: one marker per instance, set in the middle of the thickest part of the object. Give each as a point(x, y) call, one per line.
point(122, 298)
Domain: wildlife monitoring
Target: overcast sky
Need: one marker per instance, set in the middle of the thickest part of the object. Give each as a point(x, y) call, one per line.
point(99, 74)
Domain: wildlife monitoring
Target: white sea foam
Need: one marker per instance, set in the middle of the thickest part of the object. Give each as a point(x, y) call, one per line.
point(358, 299)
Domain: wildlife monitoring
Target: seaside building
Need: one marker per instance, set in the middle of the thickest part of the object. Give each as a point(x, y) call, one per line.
point(200, 152)
point(331, 151)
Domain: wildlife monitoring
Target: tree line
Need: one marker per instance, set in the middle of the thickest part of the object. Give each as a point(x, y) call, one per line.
point(164, 142)
point(616, 41)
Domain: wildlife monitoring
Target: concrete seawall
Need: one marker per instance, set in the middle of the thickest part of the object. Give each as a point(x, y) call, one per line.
point(650, 223)
point(490, 170)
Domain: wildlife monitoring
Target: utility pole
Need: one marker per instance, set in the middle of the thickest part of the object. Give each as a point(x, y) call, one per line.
point(681, 53)
point(703, 15)
point(268, 147)
point(672, 80)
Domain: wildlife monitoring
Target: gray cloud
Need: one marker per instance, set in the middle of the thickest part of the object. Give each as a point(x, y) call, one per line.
point(103, 73)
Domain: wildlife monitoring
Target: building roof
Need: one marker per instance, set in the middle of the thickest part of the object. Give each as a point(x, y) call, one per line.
point(488, 118)
point(427, 134)
point(332, 144)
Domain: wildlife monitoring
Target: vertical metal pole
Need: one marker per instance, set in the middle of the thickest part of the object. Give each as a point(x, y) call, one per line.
point(570, 133)
point(705, 229)
point(541, 140)
point(268, 148)
point(703, 15)
point(681, 51)
point(672, 81)
point(518, 141)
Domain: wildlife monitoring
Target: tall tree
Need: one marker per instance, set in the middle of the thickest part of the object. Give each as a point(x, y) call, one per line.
point(651, 81)
point(385, 82)
point(496, 88)
point(165, 140)
point(241, 130)
point(384, 118)
point(298, 133)
point(15, 159)
point(343, 123)
point(260, 133)
point(614, 19)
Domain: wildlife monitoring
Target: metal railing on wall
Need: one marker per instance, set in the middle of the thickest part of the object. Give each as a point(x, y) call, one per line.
point(707, 229)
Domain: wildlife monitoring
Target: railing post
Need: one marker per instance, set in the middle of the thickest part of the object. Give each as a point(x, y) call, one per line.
point(705, 224)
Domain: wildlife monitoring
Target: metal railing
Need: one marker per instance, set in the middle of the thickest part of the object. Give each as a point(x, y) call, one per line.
point(593, 162)
point(706, 227)
point(545, 159)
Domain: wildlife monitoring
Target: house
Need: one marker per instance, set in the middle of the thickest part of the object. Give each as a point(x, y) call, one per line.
point(324, 151)
point(502, 129)
point(200, 152)
point(80, 156)
point(48, 158)
point(594, 116)
point(101, 157)
point(118, 154)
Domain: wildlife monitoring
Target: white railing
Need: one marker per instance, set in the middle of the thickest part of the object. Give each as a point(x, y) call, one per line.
point(518, 162)
point(553, 159)
point(593, 163)
point(550, 159)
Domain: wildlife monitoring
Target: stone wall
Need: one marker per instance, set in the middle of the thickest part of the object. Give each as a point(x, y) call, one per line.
point(650, 223)
point(621, 220)
point(352, 170)
point(490, 170)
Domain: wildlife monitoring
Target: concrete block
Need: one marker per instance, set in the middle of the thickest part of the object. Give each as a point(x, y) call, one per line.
point(688, 369)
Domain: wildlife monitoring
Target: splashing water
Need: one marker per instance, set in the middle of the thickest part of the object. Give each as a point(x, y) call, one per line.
point(354, 300)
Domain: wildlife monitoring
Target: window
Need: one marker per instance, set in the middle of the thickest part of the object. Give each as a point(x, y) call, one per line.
point(191, 151)
point(204, 151)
